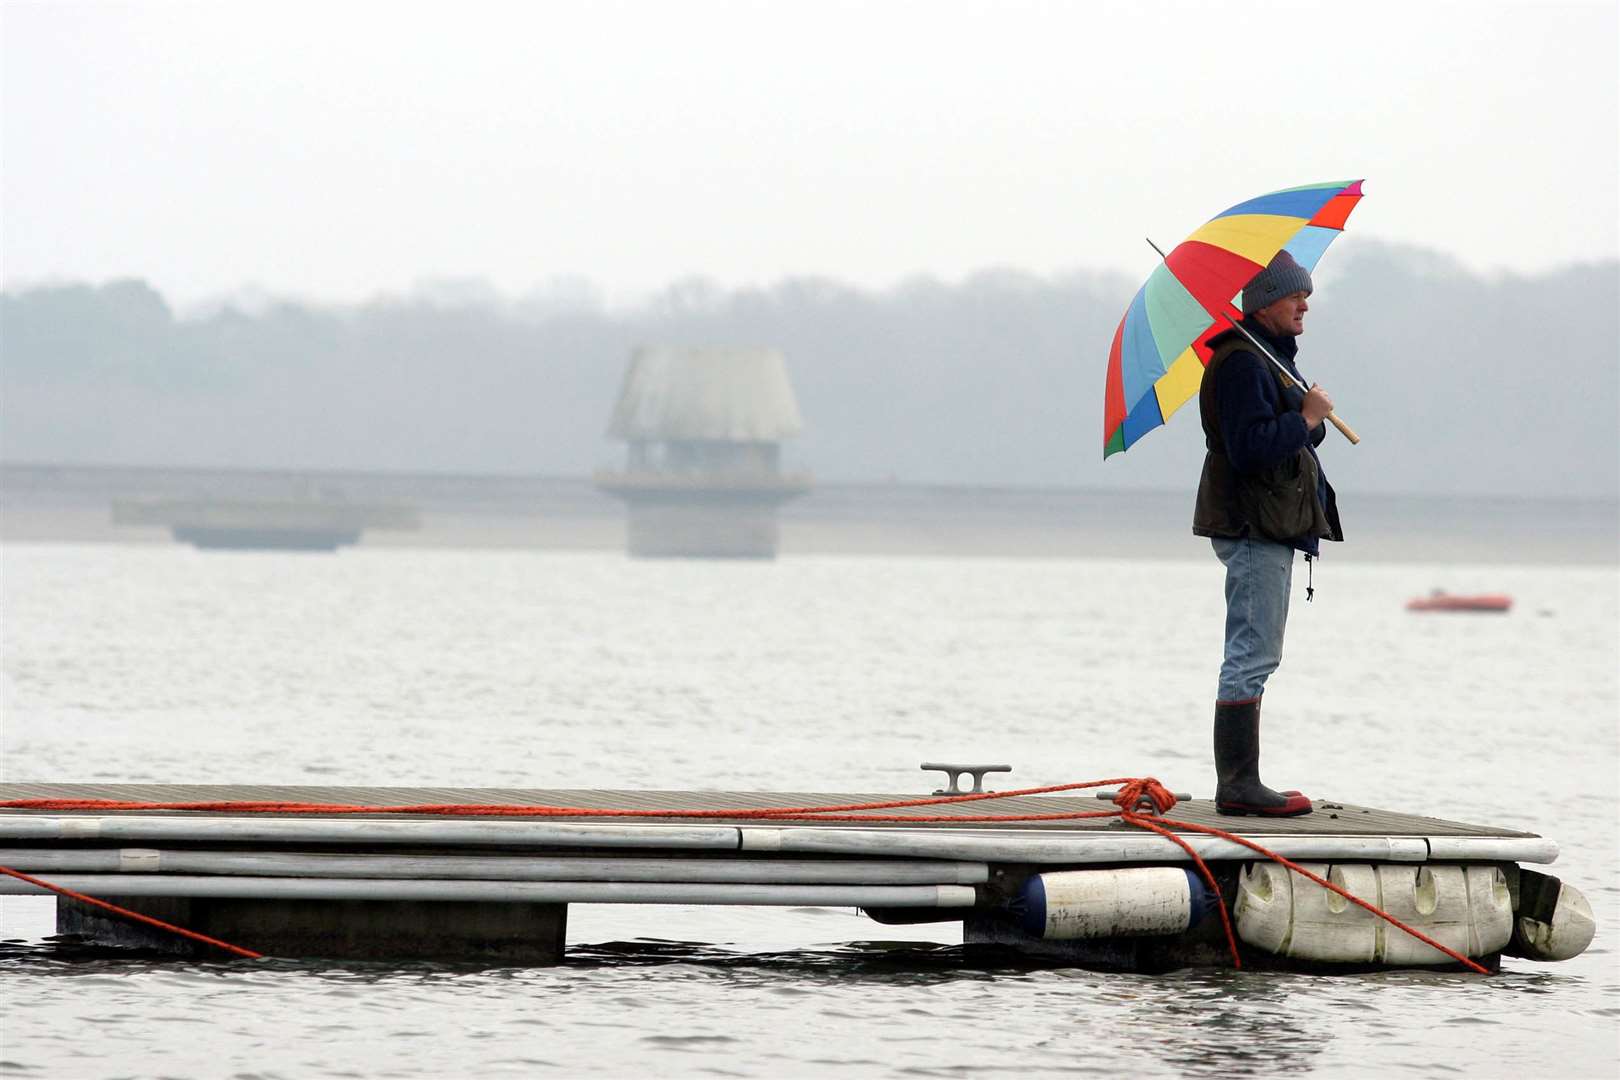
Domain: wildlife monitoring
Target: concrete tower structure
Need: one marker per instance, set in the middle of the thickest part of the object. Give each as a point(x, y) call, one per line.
point(703, 475)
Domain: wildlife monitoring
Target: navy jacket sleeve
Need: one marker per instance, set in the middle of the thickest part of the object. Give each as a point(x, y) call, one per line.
point(1256, 437)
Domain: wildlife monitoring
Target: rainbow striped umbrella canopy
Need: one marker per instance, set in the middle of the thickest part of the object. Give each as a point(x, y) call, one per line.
point(1161, 346)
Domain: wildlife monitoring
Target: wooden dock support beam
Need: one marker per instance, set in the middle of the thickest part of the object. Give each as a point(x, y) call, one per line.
point(497, 932)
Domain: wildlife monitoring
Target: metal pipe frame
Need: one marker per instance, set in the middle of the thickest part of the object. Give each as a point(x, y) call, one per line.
point(526, 892)
point(901, 842)
point(497, 867)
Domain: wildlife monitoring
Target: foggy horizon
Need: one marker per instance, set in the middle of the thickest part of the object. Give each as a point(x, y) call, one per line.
point(567, 292)
point(397, 236)
point(993, 381)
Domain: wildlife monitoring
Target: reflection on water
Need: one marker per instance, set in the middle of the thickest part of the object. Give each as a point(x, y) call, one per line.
point(1227, 1023)
point(937, 1008)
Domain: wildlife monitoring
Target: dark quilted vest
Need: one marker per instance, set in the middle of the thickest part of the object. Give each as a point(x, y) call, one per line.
point(1216, 513)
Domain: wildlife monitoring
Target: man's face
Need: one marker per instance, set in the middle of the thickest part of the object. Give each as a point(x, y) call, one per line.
point(1285, 316)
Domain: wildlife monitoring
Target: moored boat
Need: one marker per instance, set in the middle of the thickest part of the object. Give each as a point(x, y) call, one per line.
point(1440, 600)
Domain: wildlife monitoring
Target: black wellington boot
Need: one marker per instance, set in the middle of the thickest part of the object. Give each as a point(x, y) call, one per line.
point(1238, 789)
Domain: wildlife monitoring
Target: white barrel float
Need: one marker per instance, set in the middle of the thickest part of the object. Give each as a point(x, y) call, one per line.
point(1131, 902)
point(1554, 920)
point(1466, 908)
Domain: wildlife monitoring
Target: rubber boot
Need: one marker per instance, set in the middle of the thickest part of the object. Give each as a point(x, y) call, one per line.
point(1238, 789)
point(1257, 704)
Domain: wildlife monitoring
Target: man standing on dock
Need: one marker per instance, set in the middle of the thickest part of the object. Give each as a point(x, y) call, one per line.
point(1261, 498)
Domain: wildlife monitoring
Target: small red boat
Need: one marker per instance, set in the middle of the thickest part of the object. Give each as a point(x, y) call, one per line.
point(1439, 600)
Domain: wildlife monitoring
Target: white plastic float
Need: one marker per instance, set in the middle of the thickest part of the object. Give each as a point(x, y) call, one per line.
point(1091, 904)
point(1466, 908)
point(1555, 920)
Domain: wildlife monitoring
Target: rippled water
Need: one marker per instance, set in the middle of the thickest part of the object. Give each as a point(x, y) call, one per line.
point(161, 664)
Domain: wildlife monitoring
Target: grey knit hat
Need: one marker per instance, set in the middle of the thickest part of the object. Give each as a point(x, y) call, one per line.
point(1282, 277)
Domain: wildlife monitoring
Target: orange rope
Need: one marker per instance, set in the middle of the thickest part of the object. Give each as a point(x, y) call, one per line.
point(1326, 884)
point(503, 810)
point(1133, 791)
point(135, 915)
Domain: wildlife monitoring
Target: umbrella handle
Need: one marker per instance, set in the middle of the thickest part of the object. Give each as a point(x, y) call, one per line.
point(1344, 429)
point(1333, 418)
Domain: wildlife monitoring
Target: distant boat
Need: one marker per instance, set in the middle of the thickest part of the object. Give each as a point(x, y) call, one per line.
point(322, 523)
point(1440, 600)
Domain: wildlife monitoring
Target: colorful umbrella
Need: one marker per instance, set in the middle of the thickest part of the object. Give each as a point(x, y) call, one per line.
point(1161, 346)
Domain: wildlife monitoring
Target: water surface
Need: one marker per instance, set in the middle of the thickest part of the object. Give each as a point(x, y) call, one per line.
point(452, 667)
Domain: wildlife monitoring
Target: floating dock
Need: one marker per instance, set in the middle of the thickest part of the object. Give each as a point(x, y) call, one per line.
point(457, 885)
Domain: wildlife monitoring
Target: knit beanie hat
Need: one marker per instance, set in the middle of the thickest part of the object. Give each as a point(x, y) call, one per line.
point(1282, 277)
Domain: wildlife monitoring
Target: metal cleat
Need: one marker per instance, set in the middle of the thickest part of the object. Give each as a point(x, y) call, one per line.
point(955, 773)
point(1144, 805)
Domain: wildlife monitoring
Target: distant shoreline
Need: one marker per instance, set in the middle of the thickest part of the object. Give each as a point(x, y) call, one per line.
point(72, 503)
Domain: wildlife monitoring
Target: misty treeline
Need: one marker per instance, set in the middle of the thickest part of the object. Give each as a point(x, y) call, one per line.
point(1458, 383)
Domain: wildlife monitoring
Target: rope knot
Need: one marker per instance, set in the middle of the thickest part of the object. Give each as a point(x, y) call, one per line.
point(1145, 794)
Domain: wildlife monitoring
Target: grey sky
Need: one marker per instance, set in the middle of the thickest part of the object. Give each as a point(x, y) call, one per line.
point(337, 150)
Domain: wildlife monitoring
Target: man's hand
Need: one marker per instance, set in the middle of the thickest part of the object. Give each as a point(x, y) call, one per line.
point(1316, 407)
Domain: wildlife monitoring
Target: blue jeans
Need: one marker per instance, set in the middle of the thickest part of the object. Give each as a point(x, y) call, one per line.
point(1258, 576)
